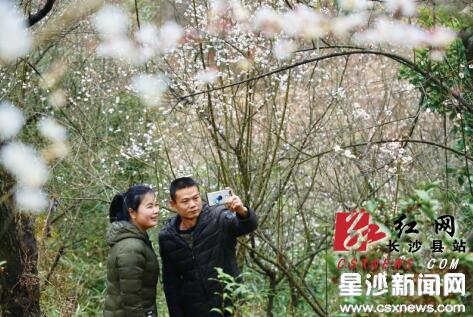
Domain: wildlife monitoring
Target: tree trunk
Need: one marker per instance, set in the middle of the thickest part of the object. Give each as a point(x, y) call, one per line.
point(19, 282)
point(272, 293)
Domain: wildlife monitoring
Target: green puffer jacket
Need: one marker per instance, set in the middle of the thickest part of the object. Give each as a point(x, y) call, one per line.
point(132, 273)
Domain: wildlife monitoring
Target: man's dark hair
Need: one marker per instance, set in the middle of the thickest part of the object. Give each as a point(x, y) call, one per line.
point(180, 183)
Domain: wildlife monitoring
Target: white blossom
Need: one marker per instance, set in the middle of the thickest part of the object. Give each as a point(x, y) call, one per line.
point(57, 150)
point(207, 76)
point(354, 5)
point(305, 23)
point(283, 49)
point(440, 37)
point(147, 35)
point(219, 7)
point(30, 199)
point(240, 13)
point(348, 154)
point(52, 130)
point(11, 120)
point(267, 20)
point(119, 47)
point(169, 36)
point(403, 7)
point(23, 162)
point(342, 25)
point(394, 33)
point(149, 88)
point(111, 22)
point(148, 38)
point(15, 39)
point(337, 148)
point(57, 99)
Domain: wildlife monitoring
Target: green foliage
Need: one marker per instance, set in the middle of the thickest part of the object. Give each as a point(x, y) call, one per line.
point(234, 295)
point(454, 73)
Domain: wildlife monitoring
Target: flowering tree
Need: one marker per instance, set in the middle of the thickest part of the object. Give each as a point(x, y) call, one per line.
point(300, 108)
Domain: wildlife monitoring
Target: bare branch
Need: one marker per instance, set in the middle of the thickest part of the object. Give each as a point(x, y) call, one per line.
point(42, 13)
point(394, 57)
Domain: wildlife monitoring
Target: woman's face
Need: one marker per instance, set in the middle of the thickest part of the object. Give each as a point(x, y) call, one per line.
point(147, 215)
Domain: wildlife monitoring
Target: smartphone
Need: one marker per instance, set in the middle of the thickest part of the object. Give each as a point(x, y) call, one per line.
point(219, 197)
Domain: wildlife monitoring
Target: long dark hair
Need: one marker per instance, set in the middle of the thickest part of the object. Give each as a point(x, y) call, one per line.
point(130, 199)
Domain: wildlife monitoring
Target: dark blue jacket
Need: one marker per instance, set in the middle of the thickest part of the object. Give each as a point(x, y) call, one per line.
point(188, 271)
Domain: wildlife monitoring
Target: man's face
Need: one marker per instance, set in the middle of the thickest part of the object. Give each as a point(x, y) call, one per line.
point(188, 203)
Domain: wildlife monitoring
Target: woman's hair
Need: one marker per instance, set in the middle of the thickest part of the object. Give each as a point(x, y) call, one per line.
point(130, 199)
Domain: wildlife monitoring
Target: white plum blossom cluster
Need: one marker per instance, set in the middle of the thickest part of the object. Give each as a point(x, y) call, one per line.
point(15, 39)
point(29, 168)
point(305, 23)
point(359, 112)
point(347, 153)
point(113, 25)
point(395, 152)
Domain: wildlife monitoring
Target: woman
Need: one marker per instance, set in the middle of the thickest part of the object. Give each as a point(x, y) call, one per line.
point(132, 266)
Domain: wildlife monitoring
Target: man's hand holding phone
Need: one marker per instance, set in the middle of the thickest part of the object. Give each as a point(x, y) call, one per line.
point(234, 204)
point(226, 197)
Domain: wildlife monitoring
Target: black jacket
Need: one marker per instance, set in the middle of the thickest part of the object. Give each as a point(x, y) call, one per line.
point(186, 270)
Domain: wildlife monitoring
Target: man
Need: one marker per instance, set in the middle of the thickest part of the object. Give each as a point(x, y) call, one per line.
point(196, 241)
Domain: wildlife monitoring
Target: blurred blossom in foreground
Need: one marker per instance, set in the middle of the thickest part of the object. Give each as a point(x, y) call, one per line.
point(57, 134)
point(240, 13)
point(343, 25)
point(394, 33)
point(57, 99)
point(31, 199)
point(267, 20)
point(147, 37)
point(119, 48)
point(56, 150)
point(283, 49)
point(438, 39)
point(153, 41)
point(52, 130)
point(11, 120)
point(223, 14)
point(403, 7)
point(111, 22)
point(113, 25)
point(149, 88)
point(305, 23)
point(354, 5)
point(219, 7)
point(207, 76)
point(23, 162)
point(15, 39)
point(169, 36)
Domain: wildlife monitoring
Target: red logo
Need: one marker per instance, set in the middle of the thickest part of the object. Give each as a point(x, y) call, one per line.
point(353, 231)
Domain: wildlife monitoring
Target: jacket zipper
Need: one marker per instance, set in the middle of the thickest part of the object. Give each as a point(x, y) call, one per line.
point(194, 259)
